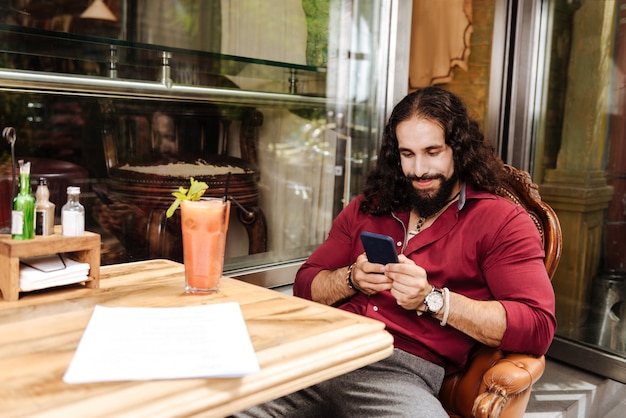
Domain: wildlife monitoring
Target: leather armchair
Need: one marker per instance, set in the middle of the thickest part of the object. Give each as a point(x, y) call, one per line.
point(498, 384)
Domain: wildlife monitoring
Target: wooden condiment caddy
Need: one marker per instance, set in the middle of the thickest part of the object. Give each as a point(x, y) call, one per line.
point(84, 249)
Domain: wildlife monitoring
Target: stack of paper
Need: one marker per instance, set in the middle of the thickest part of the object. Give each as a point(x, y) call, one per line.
point(133, 343)
point(50, 270)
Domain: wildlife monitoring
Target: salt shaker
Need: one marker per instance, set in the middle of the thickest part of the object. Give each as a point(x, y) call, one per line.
point(73, 214)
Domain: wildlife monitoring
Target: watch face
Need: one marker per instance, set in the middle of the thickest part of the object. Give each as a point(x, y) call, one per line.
point(434, 301)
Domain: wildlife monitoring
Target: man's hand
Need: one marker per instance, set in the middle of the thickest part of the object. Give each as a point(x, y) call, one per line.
point(409, 283)
point(484, 321)
point(369, 278)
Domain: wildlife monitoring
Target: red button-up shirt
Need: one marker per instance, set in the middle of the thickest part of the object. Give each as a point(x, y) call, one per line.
point(485, 247)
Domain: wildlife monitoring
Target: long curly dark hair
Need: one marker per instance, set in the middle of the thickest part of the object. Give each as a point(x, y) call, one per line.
point(475, 161)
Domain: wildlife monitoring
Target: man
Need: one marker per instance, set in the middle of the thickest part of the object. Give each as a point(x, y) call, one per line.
point(470, 266)
point(164, 136)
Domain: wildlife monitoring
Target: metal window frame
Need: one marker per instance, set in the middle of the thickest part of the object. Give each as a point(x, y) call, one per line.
point(516, 79)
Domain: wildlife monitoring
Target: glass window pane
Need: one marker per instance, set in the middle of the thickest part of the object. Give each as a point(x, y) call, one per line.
point(583, 164)
point(263, 106)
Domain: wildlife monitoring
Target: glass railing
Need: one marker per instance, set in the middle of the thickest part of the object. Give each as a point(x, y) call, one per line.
point(103, 66)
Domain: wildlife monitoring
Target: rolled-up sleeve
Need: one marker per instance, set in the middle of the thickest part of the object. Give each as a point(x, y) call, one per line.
point(516, 275)
point(335, 252)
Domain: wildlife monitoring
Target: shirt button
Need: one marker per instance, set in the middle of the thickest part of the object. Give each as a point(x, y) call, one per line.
point(399, 243)
point(375, 308)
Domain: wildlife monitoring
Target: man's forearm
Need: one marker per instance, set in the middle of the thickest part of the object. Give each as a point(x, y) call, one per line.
point(485, 321)
point(329, 287)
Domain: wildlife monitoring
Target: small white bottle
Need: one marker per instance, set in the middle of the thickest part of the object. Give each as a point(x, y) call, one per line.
point(73, 214)
point(44, 209)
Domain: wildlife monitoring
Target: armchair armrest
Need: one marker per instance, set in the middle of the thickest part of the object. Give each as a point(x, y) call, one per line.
point(509, 383)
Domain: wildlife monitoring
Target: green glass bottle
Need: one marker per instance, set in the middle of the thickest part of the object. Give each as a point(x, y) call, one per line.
point(23, 214)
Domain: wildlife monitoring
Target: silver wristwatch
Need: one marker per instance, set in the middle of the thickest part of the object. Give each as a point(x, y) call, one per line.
point(434, 301)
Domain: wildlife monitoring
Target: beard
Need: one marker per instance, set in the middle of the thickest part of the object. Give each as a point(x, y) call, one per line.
point(429, 202)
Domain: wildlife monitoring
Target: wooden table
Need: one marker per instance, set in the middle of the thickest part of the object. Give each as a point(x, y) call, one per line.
point(298, 343)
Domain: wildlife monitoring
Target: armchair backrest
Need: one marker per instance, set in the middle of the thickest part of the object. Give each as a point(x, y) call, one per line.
point(519, 188)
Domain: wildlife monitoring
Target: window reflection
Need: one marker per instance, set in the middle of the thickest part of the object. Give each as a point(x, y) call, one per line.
point(584, 165)
point(280, 153)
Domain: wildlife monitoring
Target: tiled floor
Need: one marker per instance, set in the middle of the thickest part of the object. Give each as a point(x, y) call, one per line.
point(567, 392)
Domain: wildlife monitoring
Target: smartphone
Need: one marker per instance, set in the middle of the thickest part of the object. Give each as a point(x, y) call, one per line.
point(379, 248)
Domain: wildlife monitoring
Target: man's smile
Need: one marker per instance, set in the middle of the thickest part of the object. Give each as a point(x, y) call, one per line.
point(424, 184)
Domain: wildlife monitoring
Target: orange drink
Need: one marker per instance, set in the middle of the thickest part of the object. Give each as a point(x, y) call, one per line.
point(204, 226)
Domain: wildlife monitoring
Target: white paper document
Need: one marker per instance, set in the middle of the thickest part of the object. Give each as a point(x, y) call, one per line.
point(121, 344)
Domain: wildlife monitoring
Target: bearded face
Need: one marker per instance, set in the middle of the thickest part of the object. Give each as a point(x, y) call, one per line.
point(427, 163)
point(427, 202)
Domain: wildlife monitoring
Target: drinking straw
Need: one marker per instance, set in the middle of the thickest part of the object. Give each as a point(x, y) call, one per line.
point(248, 213)
point(226, 187)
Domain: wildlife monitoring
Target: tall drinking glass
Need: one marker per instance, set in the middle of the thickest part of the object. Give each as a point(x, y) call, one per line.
point(204, 227)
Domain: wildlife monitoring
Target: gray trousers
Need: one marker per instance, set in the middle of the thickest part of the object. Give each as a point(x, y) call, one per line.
point(401, 385)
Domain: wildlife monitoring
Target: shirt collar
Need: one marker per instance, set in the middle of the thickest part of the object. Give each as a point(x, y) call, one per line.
point(462, 196)
point(468, 192)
